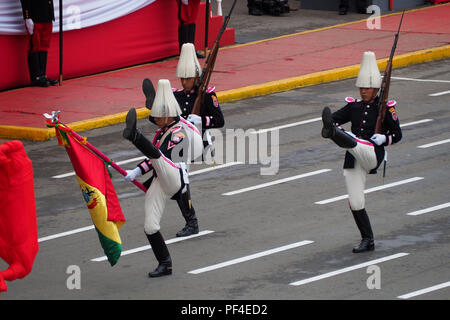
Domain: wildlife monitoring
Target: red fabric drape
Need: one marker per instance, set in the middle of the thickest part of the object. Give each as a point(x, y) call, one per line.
point(18, 226)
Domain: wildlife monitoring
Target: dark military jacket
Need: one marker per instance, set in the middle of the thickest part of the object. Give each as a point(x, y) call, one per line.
point(38, 10)
point(210, 112)
point(363, 119)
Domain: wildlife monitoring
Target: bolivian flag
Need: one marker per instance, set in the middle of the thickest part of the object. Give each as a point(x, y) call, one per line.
point(99, 194)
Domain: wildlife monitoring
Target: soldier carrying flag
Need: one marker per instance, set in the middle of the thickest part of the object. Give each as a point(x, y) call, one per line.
point(175, 143)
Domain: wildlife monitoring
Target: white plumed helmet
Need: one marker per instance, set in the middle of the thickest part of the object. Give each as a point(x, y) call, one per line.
point(165, 104)
point(369, 75)
point(188, 65)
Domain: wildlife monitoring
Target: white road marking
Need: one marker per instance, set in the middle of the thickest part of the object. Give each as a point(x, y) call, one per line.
point(229, 164)
point(434, 144)
point(287, 125)
point(142, 158)
point(439, 93)
point(385, 186)
point(415, 122)
point(421, 80)
point(64, 175)
point(438, 207)
point(426, 290)
point(351, 268)
point(251, 257)
point(143, 248)
point(259, 186)
point(67, 233)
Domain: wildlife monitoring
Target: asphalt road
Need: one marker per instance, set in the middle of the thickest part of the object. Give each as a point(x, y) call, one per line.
point(305, 239)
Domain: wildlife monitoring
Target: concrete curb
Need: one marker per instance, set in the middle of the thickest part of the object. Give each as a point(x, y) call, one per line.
point(431, 54)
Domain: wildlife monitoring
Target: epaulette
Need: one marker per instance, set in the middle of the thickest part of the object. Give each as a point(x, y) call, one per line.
point(210, 89)
point(391, 103)
point(350, 99)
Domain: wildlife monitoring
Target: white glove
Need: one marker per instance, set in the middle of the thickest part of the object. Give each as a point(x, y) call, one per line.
point(195, 119)
point(29, 26)
point(133, 174)
point(378, 139)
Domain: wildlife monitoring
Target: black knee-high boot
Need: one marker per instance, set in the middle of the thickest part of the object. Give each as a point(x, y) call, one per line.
point(363, 224)
point(137, 138)
point(161, 252)
point(188, 212)
point(183, 34)
point(330, 130)
point(35, 69)
point(149, 92)
point(43, 63)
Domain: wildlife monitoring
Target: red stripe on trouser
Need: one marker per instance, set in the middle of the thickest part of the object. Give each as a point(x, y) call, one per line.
point(40, 39)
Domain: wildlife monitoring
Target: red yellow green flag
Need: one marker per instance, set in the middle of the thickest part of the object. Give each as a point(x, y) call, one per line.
point(99, 194)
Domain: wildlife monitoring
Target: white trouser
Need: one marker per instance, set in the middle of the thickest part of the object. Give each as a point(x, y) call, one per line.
point(355, 178)
point(163, 187)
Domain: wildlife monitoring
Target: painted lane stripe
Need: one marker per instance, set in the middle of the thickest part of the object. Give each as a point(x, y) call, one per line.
point(434, 144)
point(415, 122)
point(431, 209)
point(67, 233)
point(347, 269)
point(64, 175)
point(421, 80)
point(259, 186)
point(439, 93)
point(250, 257)
point(225, 165)
point(423, 291)
point(143, 248)
point(385, 186)
point(143, 158)
point(287, 125)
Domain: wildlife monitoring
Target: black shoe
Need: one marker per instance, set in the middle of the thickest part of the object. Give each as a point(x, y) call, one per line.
point(51, 82)
point(40, 82)
point(187, 231)
point(328, 125)
point(149, 92)
point(366, 244)
point(163, 269)
point(129, 132)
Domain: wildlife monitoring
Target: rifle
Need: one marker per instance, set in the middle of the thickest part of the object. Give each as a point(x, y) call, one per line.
point(209, 66)
point(384, 92)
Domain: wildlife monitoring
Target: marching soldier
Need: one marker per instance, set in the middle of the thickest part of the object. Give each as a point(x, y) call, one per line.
point(365, 148)
point(188, 70)
point(175, 143)
point(39, 16)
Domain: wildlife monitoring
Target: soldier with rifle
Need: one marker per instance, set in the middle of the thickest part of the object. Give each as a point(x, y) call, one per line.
point(374, 125)
point(199, 105)
point(175, 143)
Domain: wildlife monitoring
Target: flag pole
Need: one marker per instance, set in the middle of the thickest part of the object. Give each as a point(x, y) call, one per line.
point(206, 27)
point(63, 127)
point(60, 42)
